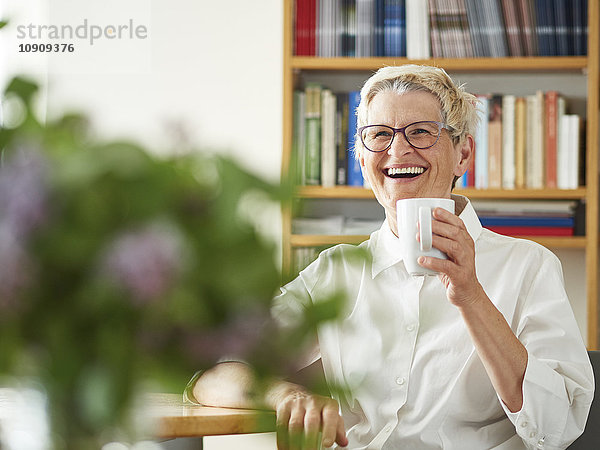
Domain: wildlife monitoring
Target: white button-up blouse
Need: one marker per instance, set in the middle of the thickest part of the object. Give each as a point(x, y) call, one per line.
point(416, 380)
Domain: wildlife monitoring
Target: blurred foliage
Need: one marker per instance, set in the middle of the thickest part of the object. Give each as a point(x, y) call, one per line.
point(119, 268)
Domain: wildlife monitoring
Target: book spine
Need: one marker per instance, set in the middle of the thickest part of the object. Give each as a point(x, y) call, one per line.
point(313, 135)
point(495, 143)
point(520, 141)
point(574, 151)
point(298, 138)
point(481, 144)
point(551, 99)
point(354, 173)
point(533, 231)
point(508, 142)
point(526, 221)
point(328, 151)
point(342, 138)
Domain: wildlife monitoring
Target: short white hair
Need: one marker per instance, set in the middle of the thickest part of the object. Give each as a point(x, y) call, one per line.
point(458, 107)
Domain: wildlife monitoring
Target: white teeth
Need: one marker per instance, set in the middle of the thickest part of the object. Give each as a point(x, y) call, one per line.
point(404, 170)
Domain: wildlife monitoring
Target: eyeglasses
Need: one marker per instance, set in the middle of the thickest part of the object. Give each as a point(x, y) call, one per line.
point(421, 135)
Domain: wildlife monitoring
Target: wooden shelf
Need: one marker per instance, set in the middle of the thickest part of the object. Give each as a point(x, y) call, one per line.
point(537, 64)
point(349, 192)
point(588, 66)
point(319, 240)
point(312, 240)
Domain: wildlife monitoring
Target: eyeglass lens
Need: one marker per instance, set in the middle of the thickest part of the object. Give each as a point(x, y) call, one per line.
point(420, 135)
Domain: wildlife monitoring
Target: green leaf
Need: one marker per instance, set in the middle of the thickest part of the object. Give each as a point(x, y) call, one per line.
point(3, 23)
point(23, 88)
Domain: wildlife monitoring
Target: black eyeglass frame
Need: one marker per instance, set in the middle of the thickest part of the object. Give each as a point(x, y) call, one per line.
point(402, 130)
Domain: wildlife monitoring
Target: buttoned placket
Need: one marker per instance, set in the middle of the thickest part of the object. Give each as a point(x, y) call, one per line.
point(407, 339)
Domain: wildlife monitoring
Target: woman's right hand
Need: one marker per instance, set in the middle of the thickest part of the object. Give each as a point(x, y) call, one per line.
point(301, 415)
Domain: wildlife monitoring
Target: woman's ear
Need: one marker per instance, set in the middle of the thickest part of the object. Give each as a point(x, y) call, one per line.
point(466, 152)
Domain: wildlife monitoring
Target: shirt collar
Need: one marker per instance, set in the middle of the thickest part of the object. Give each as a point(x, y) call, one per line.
point(387, 249)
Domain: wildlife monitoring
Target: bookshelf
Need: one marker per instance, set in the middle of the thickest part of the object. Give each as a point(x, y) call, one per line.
point(294, 67)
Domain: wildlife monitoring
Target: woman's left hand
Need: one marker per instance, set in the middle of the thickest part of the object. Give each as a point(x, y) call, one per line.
point(457, 273)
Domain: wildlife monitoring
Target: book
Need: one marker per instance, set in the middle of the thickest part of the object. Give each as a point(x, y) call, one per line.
point(551, 118)
point(527, 26)
point(495, 142)
point(527, 221)
point(302, 27)
point(513, 33)
point(508, 142)
point(365, 13)
point(350, 28)
point(532, 231)
point(561, 28)
point(534, 157)
point(417, 30)
point(494, 29)
point(480, 45)
point(574, 151)
point(395, 28)
point(312, 156)
point(481, 143)
point(436, 43)
point(328, 150)
point(341, 125)
point(530, 207)
point(298, 137)
point(379, 28)
point(354, 173)
point(520, 141)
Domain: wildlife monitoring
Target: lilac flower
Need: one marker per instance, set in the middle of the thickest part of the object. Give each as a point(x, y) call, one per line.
point(239, 337)
point(146, 262)
point(23, 192)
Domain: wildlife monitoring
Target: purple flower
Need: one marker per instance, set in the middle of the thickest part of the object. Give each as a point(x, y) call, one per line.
point(239, 337)
point(145, 262)
point(23, 192)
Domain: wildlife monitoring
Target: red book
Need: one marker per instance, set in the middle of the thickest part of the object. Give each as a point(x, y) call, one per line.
point(532, 231)
point(312, 27)
point(300, 27)
point(551, 118)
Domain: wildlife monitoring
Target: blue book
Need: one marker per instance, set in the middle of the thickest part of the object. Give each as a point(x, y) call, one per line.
point(561, 27)
point(354, 174)
point(526, 221)
point(402, 28)
point(379, 27)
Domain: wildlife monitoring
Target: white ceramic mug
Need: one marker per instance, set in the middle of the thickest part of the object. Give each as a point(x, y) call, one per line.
point(413, 211)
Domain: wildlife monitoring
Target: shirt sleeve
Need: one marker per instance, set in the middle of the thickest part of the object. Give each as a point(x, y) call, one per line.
point(558, 386)
point(289, 307)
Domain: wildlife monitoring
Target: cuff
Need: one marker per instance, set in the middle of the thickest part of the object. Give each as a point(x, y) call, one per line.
point(188, 392)
point(543, 413)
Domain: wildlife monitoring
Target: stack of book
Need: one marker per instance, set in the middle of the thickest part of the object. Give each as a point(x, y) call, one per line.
point(440, 28)
point(526, 142)
point(528, 218)
point(323, 137)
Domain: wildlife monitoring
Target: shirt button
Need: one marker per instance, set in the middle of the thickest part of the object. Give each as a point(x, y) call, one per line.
point(387, 429)
point(524, 424)
point(532, 434)
point(411, 327)
point(400, 381)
